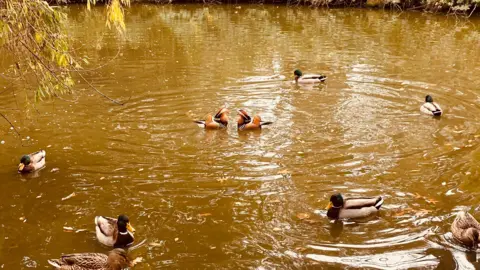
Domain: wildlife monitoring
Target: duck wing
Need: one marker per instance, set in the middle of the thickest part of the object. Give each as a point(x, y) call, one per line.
point(107, 225)
point(359, 203)
point(357, 213)
point(38, 159)
point(431, 108)
point(315, 77)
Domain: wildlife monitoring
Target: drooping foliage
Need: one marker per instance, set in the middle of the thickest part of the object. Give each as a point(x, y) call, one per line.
point(33, 38)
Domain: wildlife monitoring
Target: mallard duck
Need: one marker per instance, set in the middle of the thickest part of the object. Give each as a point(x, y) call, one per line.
point(114, 232)
point(430, 107)
point(32, 162)
point(340, 208)
point(308, 78)
point(220, 120)
point(116, 260)
point(245, 122)
point(466, 229)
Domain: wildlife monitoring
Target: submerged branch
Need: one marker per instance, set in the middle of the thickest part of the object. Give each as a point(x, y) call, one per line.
point(14, 128)
point(99, 92)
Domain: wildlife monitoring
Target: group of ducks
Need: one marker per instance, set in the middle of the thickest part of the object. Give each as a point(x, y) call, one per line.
point(118, 233)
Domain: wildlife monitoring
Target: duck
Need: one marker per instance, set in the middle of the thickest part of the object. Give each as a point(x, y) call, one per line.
point(245, 122)
point(114, 232)
point(430, 107)
point(466, 229)
point(116, 260)
point(340, 208)
point(309, 78)
point(32, 162)
point(219, 121)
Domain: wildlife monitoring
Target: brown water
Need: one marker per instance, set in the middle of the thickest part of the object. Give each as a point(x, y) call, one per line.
point(225, 200)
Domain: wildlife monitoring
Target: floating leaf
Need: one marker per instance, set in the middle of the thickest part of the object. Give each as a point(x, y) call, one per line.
point(69, 196)
point(303, 215)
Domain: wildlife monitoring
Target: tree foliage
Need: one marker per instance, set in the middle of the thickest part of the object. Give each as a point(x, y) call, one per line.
point(32, 36)
point(34, 39)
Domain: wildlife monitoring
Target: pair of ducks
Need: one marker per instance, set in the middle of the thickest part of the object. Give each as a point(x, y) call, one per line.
point(465, 228)
point(117, 233)
point(220, 121)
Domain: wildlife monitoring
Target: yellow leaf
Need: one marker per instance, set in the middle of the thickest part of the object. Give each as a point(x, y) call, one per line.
point(38, 38)
point(303, 215)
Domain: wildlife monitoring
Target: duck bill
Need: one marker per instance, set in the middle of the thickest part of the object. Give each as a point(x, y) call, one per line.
point(130, 228)
point(20, 167)
point(330, 205)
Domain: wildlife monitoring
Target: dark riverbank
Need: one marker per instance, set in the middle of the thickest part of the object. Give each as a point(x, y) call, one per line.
point(450, 7)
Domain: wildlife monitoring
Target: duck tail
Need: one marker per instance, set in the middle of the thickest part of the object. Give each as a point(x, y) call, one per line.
point(437, 113)
point(55, 263)
point(322, 78)
point(265, 123)
point(379, 203)
point(200, 123)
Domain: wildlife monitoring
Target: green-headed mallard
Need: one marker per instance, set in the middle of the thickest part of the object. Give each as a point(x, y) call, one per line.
point(245, 122)
point(466, 229)
point(308, 78)
point(340, 208)
point(116, 260)
point(220, 120)
point(114, 232)
point(430, 107)
point(32, 162)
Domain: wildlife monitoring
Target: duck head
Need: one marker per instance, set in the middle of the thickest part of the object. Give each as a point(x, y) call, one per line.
point(222, 116)
point(336, 201)
point(24, 161)
point(123, 223)
point(428, 99)
point(243, 117)
point(298, 73)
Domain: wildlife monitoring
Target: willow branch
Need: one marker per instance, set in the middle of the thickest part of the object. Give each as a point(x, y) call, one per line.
point(14, 128)
point(99, 92)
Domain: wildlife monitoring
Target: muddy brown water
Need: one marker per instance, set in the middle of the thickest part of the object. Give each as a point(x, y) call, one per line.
point(229, 200)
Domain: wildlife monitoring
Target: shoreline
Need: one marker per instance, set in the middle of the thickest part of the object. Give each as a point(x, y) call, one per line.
point(465, 10)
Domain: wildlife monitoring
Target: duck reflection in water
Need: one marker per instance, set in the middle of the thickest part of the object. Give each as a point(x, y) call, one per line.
point(336, 228)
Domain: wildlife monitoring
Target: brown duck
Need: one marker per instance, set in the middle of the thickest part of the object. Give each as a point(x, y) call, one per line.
point(116, 260)
point(219, 121)
point(466, 229)
point(245, 122)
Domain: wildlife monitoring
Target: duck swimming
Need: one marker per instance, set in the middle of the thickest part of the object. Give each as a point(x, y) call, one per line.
point(32, 162)
point(114, 232)
point(245, 122)
point(466, 229)
point(116, 260)
point(430, 107)
point(340, 208)
point(219, 121)
point(309, 78)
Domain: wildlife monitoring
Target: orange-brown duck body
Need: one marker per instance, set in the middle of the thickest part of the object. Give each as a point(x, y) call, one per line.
point(245, 122)
point(219, 121)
